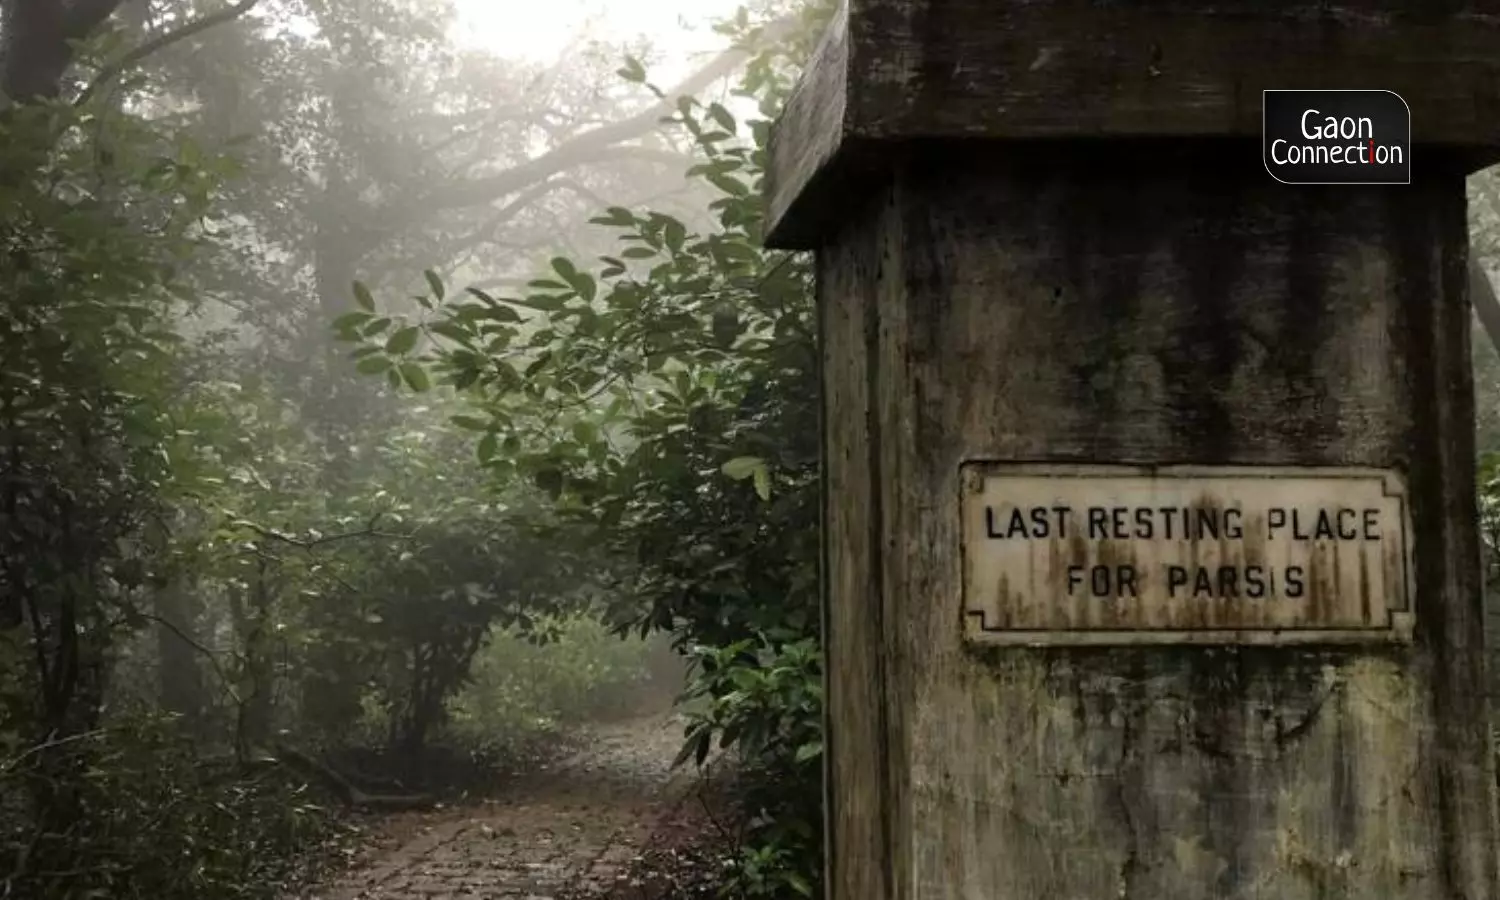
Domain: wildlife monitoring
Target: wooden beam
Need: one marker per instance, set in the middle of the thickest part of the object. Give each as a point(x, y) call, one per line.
point(896, 71)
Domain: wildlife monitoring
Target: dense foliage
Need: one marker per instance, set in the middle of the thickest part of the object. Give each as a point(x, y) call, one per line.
point(224, 560)
point(665, 398)
point(274, 539)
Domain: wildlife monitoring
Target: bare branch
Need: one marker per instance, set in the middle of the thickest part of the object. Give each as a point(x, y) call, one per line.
point(207, 652)
point(47, 745)
point(485, 233)
point(310, 543)
point(592, 145)
point(181, 635)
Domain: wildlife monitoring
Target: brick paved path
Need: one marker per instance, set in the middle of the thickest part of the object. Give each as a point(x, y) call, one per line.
point(569, 829)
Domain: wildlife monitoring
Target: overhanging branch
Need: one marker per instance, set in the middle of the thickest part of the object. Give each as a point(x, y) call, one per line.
point(135, 55)
point(594, 144)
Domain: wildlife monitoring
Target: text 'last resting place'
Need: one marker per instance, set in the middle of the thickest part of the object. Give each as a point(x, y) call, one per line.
point(1057, 554)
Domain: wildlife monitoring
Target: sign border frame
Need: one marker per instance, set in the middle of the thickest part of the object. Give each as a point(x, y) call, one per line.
point(1401, 616)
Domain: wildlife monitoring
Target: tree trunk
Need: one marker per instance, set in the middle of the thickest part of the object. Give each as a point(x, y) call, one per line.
point(37, 43)
point(252, 625)
point(412, 752)
point(180, 680)
point(342, 405)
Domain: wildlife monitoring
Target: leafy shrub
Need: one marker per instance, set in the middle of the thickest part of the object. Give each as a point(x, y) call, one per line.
point(765, 696)
point(157, 821)
point(572, 670)
point(666, 400)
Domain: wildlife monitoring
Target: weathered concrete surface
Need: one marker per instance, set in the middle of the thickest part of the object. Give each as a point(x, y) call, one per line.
point(1045, 235)
point(900, 70)
point(1095, 305)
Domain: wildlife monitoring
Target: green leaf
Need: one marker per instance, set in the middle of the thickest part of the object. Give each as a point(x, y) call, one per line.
point(742, 467)
point(434, 283)
point(374, 365)
point(451, 331)
point(190, 153)
point(616, 216)
point(494, 309)
point(763, 483)
point(731, 186)
point(487, 446)
point(415, 377)
point(363, 297)
point(466, 379)
point(675, 234)
point(580, 282)
point(537, 364)
point(721, 116)
point(584, 284)
point(471, 423)
point(725, 324)
point(632, 71)
point(350, 320)
point(403, 340)
point(585, 432)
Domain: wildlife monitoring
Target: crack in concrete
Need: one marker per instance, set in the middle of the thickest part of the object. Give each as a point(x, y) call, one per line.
point(1131, 865)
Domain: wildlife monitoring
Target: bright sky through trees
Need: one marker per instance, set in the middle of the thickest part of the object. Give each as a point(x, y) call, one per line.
point(542, 29)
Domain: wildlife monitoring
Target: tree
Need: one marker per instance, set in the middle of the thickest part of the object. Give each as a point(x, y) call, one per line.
point(162, 475)
point(664, 398)
point(38, 43)
point(91, 244)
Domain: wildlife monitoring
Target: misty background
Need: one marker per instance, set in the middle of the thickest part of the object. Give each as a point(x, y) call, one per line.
point(393, 395)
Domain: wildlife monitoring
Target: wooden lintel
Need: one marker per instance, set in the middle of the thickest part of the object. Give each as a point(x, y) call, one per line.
point(895, 71)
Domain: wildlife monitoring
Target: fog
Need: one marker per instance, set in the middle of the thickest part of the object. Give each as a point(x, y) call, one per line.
point(410, 453)
point(387, 435)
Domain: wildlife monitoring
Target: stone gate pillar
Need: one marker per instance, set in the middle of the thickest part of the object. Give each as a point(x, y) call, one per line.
point(1151, 561)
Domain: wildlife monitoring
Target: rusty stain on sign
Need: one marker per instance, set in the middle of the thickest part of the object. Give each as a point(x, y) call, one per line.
point(1078, 554)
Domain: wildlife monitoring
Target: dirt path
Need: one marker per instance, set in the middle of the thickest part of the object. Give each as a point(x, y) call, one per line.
point(574, 827)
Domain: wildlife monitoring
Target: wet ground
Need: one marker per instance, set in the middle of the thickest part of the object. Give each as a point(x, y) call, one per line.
point(568, 830)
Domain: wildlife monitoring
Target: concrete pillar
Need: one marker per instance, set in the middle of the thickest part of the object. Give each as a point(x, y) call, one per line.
point(1053, 272)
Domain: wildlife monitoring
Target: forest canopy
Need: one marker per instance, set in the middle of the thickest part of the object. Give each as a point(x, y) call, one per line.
point(375, 408)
